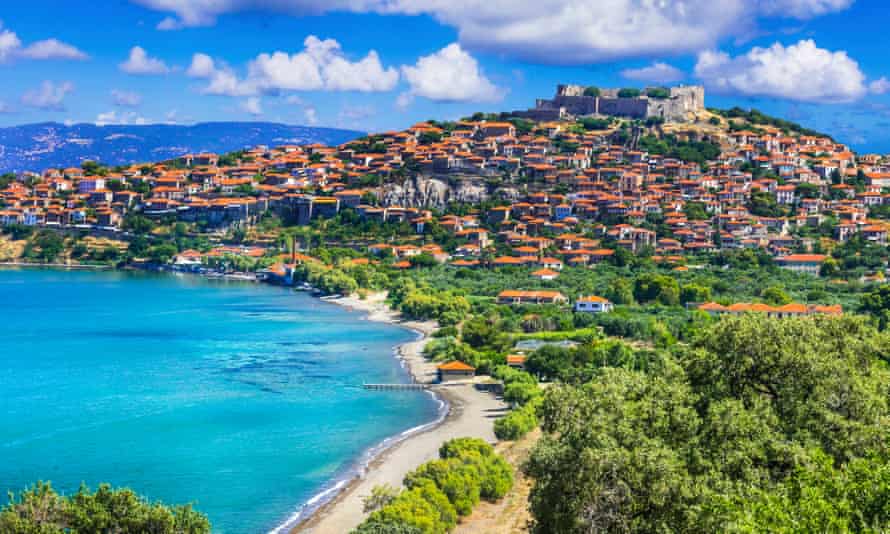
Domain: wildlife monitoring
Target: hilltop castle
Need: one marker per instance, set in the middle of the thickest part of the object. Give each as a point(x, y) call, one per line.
point(674, 104)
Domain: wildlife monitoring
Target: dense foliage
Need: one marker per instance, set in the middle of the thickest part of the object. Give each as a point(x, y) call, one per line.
point(439, 492)
point(758, 425)
point(40, 510)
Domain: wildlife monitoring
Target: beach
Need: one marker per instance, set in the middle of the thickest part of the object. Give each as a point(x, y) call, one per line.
point(471, 414)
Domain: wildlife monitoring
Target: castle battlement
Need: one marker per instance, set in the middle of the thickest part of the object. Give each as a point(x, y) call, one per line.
point(570, 101)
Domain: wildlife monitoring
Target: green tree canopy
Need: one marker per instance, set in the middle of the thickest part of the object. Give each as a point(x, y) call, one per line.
point(40, 510)
point(760, 425)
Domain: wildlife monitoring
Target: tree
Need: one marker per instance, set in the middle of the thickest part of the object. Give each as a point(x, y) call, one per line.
point(620, 291)
point(694, 293)
point(628, 92)
point(877, 303)
point(696, 211)
point(137, 224)
point(424, 259)
point(657, 288)
point(658, 93)
point(775, 295)
point(591, 90)
point(759, 425)
point(45, 246)
point(162, 253)
point(380, 496)
point(764, 204)
point(830, 267)
point(40, 510)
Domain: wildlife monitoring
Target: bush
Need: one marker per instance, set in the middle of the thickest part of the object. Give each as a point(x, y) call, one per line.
point(40, 510)
point(628, 92)
point(467, 470)
point(517, 423)
point(423, 507)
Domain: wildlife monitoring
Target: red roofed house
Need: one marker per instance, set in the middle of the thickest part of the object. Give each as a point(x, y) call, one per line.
point(802, 263)
point(455, 370)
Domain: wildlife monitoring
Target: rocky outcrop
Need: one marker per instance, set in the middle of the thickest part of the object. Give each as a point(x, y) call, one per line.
point(433, 193)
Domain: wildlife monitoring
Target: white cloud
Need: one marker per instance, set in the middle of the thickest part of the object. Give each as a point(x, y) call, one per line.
point(202, 66)
point(5, 108)
point(127, 99)
point(449, 75)
point(53, 49)
point(252, 105)
point(11, 48)
point(139, 62)
point(310, 115)
point(169, 23)
point(48, 96)
point(879, 86)
point(802, 9)
point(321, 65)
point(10, 45)
point(800, 71)
point(551, 31)
point(113, 117)
point(657, 72)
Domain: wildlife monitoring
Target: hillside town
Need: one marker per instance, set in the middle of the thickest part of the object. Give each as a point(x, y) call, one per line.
point(557, 193)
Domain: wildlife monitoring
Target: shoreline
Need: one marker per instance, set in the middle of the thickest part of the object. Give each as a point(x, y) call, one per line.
point(65, 266)
point(466, 412)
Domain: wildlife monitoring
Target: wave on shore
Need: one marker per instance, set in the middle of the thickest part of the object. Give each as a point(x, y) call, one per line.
point(358, 470)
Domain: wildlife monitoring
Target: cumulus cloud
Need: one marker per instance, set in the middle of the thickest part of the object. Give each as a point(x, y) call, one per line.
point(126, 99)
point(52, 49)
point(657, 72)
point(879, 86)
point(552, 31)
point(48, 96)
point(113, 117)
point(321, 65)
point(449, 75)
point(802, 72)
point(139, 62)
point(11, 48)
point(252, 105)
point(202, 66)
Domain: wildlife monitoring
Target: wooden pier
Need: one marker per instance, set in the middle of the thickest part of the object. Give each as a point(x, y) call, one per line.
point(396, 387)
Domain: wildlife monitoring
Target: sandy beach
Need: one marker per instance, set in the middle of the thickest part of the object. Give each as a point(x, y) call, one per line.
point(471, 413)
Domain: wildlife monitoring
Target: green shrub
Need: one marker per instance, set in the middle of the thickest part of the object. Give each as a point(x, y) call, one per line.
point(40, 510)
point(517, 423)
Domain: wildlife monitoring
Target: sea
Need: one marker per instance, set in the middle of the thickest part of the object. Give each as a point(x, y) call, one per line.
point(243, 399)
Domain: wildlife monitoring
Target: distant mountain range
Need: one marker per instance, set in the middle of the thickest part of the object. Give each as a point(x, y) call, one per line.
point(35, 147)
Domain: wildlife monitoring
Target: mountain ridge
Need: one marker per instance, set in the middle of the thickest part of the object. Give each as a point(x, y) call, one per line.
point(42, 145)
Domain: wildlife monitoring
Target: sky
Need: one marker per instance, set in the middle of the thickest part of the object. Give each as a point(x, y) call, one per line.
point(376, 65)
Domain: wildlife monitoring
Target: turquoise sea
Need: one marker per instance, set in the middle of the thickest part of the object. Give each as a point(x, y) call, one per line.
point(242, 398)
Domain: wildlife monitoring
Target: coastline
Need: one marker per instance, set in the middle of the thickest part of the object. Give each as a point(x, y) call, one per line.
point(468, 412)
point(64, 266)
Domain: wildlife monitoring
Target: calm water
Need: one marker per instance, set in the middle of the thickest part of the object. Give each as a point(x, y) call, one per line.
point(244, 399)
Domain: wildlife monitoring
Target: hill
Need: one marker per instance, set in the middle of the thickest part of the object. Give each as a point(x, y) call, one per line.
point(35, 147)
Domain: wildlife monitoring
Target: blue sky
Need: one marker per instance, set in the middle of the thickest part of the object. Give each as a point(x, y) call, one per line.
point(385, 64)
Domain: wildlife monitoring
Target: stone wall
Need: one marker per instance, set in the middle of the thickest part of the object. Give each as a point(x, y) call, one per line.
point(570, 100)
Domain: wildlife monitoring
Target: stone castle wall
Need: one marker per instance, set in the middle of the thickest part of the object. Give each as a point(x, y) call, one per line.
point(570, 101)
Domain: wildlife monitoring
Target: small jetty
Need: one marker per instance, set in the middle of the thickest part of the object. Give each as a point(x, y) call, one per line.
point(396, 387)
